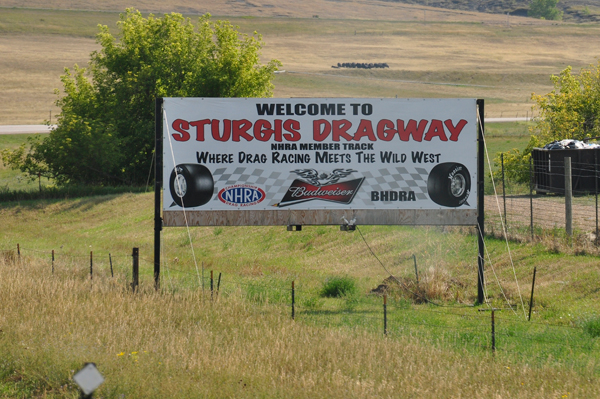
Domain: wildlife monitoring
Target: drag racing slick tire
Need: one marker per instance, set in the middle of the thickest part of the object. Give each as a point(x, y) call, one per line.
point(191, 185)
point(449, 184)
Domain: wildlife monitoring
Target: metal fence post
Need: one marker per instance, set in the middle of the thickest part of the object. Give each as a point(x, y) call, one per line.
point(91, 266)
point(293, 301)
point(416, 270)
point(532, 287)
point(596, 189)
point(385, 314)
point(503, 190)
point(493, 332)
point(52, 261)
point(136, 268)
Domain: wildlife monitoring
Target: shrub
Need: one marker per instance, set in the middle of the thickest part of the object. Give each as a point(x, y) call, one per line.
point(592, 326)
point(337, 287)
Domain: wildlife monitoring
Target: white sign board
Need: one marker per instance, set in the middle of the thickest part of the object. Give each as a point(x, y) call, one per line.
point(255, 161)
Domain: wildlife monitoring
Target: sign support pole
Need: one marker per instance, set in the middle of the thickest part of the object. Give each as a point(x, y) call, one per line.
point(158, 157)
point(480, 202)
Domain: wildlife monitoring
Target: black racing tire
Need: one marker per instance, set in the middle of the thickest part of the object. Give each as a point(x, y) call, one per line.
point(449, 184)
point(196, 185)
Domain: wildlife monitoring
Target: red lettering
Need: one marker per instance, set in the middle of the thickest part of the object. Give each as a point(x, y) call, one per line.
point(455, 130)
point(226, 130)
point(199, 125)
point(181, 126)
point(385, 130)
point(436, 129)
point(365, 129)
point(340, 129)
point(263, 130)
point(411, 129)
point(292, 126)
point(240, 130)
point(318, 134)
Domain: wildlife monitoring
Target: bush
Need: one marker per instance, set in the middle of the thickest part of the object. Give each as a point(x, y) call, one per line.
point(105, 130)
point(592, 326)
point(337, 287)
point(569, 111)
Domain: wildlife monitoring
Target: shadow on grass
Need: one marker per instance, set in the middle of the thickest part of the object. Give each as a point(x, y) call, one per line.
point(31, 199)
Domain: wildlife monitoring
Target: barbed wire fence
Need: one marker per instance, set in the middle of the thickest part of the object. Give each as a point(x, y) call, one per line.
point(459, 326)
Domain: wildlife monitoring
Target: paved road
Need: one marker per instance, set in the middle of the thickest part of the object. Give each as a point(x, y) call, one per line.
point(507, 119)
point(25, 129)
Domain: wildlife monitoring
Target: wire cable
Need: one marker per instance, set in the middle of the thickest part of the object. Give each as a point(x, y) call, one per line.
point(501, 219)
point(182, 204)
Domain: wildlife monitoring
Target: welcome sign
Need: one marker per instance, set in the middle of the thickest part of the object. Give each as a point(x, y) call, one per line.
point(255, 161)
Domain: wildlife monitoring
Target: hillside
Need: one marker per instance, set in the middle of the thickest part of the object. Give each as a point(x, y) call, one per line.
point(574, 10)
point(344, 9)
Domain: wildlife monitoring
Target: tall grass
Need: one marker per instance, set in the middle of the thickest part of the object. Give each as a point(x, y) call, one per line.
point(157, 345)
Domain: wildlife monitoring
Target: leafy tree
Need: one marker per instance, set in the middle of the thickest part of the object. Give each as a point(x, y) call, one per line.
point(105, 132)
point(570, 111)
point(545, 9)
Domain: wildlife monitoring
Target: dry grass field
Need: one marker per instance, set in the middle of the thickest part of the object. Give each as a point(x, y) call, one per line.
point(185, 346)
point(180, 344)
point(431, 53)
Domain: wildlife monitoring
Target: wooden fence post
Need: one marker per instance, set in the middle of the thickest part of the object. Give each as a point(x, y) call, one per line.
point(531, 196)
point(568, 198)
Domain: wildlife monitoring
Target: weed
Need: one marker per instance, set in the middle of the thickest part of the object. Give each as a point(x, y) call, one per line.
point(351, 301)
point(313, 303)
point(337, 287)
point(592, 326)
point(263, 294)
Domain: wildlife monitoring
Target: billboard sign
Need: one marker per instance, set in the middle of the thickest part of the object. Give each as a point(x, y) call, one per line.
point(256, 161)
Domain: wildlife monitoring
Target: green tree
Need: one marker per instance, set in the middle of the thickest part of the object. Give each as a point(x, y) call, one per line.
point(105, 132)
point(570, 111)
point(545, 9)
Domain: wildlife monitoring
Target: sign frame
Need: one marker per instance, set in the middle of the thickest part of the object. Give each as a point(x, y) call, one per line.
point(293, 217)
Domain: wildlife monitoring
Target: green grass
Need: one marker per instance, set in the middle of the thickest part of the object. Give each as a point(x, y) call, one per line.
point(14, 180)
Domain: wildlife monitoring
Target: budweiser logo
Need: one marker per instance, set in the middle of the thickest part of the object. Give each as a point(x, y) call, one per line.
point(321, 187)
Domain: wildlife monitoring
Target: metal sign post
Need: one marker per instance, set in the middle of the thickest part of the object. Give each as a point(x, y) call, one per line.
point(480, 203)
point(158, 172)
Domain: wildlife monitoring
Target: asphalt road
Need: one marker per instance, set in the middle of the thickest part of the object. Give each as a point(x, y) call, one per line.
point(25, 129)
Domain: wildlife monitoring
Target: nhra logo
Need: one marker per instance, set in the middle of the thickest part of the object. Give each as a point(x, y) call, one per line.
point(241, 195)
